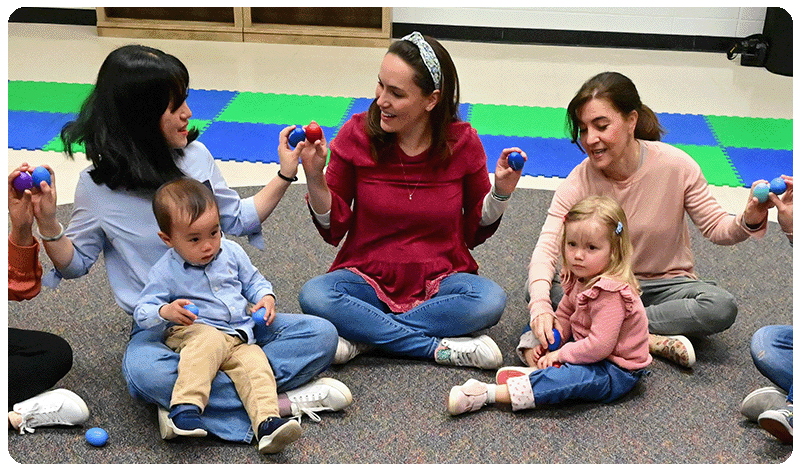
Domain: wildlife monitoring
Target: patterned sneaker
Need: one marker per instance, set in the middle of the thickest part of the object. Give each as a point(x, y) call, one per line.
point(324, 394)
point(468, 397)
point(675, 348)
point(274, 434)
point(56, 407)
point(481, 352)
point(779, 422)
point(513, 371)
point(762, 400)
point(347, 350)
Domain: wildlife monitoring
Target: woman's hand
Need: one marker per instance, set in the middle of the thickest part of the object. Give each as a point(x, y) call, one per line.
point(785, 206)
point(314, 156)
point(505, 178)
point(755, 213)
point(44, 206)
point(542, 326)
point(20, 210)
point(289, 158)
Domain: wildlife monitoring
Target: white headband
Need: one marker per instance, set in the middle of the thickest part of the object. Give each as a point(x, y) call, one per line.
point(428, 57)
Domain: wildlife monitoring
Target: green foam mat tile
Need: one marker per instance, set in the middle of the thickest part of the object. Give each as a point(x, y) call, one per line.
point(744, 132)
point(58, 146)
point(283, 109)
point(715, 164)
point(55, 97)
point(513, 120)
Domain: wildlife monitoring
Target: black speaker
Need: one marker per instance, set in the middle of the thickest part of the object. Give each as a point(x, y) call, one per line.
point(778, 33)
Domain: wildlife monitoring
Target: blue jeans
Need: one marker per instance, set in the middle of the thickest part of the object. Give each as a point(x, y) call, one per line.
point(298, 347)
point(464, 304)
point(772, 349)
point(598, 382)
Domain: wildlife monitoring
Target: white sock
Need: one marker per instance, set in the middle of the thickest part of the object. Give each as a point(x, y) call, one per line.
point(491, 390)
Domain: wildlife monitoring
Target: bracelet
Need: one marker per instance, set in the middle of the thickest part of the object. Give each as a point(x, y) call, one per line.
point(287, 179)
point(57, 237)
point(501, 198)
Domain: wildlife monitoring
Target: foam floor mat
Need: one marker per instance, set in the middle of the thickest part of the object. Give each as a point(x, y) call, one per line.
point(244, 126)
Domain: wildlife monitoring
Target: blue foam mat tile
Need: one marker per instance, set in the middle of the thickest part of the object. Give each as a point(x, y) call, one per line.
point(547, 157)
point(464, 111)
point(246, 142)
point(208, 104)
point(686, 129)
point(243, 142)
point(754, 164)
point(359, 105)
point(33, 130)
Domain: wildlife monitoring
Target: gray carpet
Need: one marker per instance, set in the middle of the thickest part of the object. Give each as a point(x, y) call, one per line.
point(398, 414)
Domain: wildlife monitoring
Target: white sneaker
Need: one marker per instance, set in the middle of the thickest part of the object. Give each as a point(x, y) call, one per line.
point(56, 407)
point(481, 352)
point(761, 400)
point(165, 426)
point(347, 350)
point(324, 394)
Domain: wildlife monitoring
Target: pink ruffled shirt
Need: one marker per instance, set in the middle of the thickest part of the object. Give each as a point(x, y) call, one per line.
point(607, 322)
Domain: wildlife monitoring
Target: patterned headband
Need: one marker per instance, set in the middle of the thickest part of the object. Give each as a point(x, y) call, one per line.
point(428, 57)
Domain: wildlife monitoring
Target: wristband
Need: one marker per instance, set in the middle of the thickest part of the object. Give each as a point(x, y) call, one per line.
point(57, 237)
point(501, 198)
point(287, 179)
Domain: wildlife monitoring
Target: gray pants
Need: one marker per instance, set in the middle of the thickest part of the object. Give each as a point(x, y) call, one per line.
point(679, 306)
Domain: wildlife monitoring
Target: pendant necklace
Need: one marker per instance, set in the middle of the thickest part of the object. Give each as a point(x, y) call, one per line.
point(405, 179)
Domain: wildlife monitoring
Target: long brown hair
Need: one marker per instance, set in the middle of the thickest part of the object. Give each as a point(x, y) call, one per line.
point(444, 113)
point(623, 96)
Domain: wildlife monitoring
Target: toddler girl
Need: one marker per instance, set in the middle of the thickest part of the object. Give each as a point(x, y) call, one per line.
point(601, 320)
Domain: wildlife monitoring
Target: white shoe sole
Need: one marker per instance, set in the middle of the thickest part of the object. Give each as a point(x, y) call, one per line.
point(281, 438)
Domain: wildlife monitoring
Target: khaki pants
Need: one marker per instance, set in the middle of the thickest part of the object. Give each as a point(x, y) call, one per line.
point(205, 350)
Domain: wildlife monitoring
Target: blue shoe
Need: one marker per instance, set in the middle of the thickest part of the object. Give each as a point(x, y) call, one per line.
point(185, 419)
point(274, 434)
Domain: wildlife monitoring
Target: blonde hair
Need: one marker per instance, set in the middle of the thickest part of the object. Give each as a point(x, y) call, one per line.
point(607, 212)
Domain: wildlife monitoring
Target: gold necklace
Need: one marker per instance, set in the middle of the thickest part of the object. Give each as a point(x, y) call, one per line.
point(405, 179)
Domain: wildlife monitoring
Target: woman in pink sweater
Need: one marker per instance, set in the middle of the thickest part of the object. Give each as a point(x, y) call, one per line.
point(601, 318)
point(408, 193)
point(658, 186)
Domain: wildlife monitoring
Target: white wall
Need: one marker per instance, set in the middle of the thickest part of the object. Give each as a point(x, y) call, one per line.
point(700, 21)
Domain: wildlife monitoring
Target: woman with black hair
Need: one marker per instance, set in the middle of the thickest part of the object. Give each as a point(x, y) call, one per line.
point(407, 185)
point(135, 129)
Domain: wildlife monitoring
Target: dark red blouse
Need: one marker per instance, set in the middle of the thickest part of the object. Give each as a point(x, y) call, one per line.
point(408, 224)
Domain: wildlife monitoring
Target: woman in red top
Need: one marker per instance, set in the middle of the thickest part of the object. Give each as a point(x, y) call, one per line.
point(408, 190)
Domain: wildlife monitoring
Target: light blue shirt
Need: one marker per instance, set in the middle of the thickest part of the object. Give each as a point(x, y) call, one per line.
point(120, 224)
point(220, 290)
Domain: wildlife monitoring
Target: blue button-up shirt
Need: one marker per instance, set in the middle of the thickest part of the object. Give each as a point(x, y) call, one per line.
point(221, 290)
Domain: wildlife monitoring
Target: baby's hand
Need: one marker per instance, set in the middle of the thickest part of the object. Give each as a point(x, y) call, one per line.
point(175, 312)
point(268, 303)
